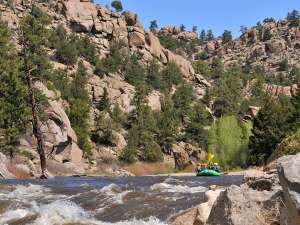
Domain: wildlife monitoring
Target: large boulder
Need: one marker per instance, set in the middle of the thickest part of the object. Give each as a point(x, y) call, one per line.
point(119, 91)
point(154, 44)
point(80, 14)
point(243, 205)
point(275, 46)
point(131, 18)
point(181, 157)
point(199, 214)
point(4, 173)
point(185, 65)
point(59, 137)
point(289, 175)
point(154, 101)
point(137, 39)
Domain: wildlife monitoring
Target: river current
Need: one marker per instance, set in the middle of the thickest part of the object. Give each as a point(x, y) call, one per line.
point(151, 200)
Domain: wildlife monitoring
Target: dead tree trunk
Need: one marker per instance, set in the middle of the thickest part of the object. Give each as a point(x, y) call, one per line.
point(36, 123)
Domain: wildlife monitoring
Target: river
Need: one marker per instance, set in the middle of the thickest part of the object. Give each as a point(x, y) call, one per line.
point(151, 200)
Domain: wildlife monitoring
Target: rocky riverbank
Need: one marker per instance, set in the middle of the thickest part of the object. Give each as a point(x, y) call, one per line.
point(270, 196)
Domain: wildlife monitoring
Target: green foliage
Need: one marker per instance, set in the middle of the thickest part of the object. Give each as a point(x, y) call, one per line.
point(228, 141)
point(168, 125)
point(86, 49)
point(267, 35)
point(295, 119)
point(171, 75)
point(141, 139)
point(228, 94)
point(14, 111)
point(153, 26)
point(283, 65)
point(154, 77)
point(201, 56)
point(36, 35)
point(134, 71)
point(197, 128)
point(202, 68)
point(294, 18)
point(226, 36)
point(104, 104)
point(80, 109)
point(217, 68)
point(289, 146)
point(117, 5)
point(67, 53)
point(269, 20)
point(114, 62)
point(269, 127)
point(182, 99)
point(182, 28)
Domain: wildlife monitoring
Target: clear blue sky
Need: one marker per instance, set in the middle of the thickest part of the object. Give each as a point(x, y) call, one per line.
point(217, 15)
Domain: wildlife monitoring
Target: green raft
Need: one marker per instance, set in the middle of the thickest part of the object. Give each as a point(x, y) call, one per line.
point(208, 172)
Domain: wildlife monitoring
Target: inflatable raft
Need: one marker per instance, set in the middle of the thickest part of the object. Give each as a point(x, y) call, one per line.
point(208, 172)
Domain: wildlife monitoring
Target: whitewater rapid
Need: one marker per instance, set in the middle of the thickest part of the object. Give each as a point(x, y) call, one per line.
point(100, 201)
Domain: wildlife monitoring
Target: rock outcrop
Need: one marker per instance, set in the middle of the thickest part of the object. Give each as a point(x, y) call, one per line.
point(265, 46)
point(289, 175)
point(185, 153)
point(4, 172)
point(200, 214)
point(60, 139)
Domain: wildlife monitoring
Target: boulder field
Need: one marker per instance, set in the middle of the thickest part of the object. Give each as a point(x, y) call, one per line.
point(266, 197)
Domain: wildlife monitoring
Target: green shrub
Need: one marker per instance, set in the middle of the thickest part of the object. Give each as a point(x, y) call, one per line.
point(228, 141)
point(67, 53)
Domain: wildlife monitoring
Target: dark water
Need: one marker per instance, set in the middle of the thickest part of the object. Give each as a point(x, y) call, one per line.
point(102, 200)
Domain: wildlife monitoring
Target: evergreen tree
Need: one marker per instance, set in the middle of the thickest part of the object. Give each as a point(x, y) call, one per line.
point(141, 139)
point(34, 37)
point(154, 76)
point(209, 35)
point(196, 130)
point(203, 35)
point(104, 104)
point(80, 109)
point(153, 26)
point(182, 99)
point(182, 28)
point(226, 36)
point(228, 94)
point(168, 125)
point(14, 111)
point(270, 126)
point(295, 120)
point(117, 5)
point(194, 28)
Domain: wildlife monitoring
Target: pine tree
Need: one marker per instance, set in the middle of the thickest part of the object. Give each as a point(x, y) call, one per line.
point(14, 111)
point(33, 39)
point(203, 36)
point(196, 130)
point(270, 126)
point(117, 5)
point(295, 120)
point(80, 109)
point(104, 104)
point(226, 36)
point(153, 26)
point(210, 35)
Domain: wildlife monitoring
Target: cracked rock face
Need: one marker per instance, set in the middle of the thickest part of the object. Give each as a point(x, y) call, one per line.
point(289, 175)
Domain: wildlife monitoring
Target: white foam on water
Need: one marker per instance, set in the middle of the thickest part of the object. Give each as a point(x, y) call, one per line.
point(27, 192)
point(13, 215)
point(65, 212)
point(165, 187)
point(115, 193)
